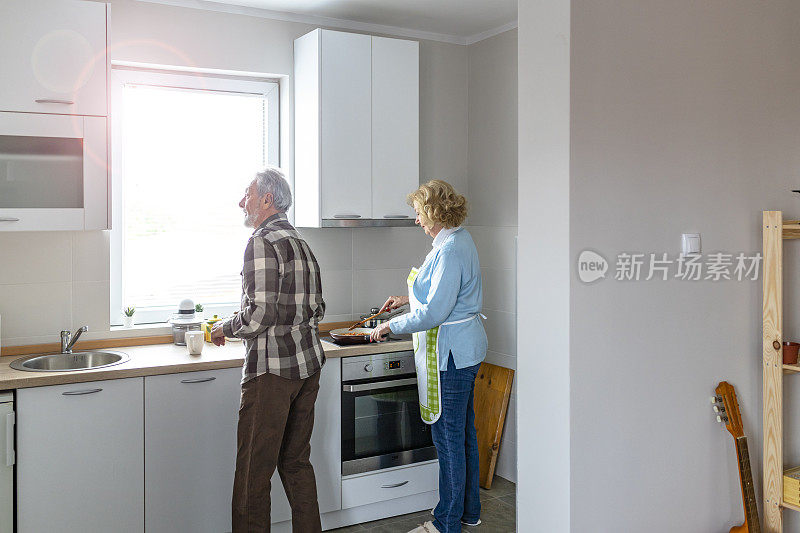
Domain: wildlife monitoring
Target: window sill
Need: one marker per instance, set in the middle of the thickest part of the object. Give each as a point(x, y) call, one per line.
point(141, 330)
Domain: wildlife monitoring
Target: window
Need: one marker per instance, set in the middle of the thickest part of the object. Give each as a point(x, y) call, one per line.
point(184, 149)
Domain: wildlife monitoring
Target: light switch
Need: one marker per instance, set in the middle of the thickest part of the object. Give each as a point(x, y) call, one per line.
point(690, 243)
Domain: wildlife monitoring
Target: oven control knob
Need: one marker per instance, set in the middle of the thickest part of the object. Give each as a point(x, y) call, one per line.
point(368, 367)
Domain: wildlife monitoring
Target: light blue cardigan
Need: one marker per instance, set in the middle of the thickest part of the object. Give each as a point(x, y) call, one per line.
point(449, 287)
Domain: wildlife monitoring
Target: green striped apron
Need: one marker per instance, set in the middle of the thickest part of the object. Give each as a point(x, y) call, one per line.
point(426, 359)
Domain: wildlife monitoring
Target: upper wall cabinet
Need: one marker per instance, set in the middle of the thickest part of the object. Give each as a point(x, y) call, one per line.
point(356, 129)
point(395, 126)
point(53, 172)
point(53, 116)
point(53, 57)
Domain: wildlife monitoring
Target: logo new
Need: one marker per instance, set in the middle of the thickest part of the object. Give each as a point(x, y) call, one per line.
point(591, 266)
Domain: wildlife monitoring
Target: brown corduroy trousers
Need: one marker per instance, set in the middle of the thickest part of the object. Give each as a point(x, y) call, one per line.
point(276, 417)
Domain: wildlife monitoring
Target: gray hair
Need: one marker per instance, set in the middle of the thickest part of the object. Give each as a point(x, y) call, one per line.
point(272, 181)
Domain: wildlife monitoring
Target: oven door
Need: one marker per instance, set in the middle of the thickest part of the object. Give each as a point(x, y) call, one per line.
point(382, 427)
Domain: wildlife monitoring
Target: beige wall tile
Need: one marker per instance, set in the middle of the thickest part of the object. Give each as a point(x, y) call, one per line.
point(389, 248)
point(90, 305)
point(35, 309)
point(372, 287)
point(35, 257)
point(90, 256)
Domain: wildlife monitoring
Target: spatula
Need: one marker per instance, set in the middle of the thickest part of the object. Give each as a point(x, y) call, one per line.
point(354, 326)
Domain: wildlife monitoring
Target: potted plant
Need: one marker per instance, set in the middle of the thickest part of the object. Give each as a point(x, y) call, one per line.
point(127, 316)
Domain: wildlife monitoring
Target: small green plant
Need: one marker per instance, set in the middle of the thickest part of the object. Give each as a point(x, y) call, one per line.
point(129, 311)
point(198, 308)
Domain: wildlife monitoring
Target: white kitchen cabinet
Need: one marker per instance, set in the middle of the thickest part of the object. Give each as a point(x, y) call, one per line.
point(332, 127)
point(190, 450)
point(53, 172)
point(356, 129)
point(326, 447)
point(344, 117)
point(7, 459)
point(53, 56)
point(395, 126)
point(80, 457)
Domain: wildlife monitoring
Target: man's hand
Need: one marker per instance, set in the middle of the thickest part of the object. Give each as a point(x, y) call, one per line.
point(218, 335)
point(380, 332)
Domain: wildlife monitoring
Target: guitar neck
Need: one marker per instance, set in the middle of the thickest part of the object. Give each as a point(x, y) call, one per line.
point(748, 492)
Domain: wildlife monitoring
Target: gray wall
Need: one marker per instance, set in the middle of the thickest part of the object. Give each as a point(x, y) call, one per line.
point(492, 189)
point(51, 281)
point(684, 118)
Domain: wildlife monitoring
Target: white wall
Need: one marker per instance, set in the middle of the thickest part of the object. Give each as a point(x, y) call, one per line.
point(492, 191)
point(55, 281)
point(543, 263)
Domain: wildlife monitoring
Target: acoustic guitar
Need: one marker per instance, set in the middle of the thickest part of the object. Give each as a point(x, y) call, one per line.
point(727, 408)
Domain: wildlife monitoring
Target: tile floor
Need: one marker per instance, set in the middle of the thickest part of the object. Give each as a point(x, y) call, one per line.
point(498, 514)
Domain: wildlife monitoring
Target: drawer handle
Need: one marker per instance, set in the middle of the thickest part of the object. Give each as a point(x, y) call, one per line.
point(54, 101)
point(198, 380)
point(346, 216)
point(10, 453)
point(9, 219)
point(80, 392)
point(396, 216)
point(394, 485)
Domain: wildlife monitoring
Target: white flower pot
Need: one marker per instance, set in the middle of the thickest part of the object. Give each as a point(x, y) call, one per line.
point(127, 321)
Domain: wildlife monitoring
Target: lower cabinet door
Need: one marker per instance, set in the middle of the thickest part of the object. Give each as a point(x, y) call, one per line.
point(80, 458)
point(190, 450)
point(326, 448)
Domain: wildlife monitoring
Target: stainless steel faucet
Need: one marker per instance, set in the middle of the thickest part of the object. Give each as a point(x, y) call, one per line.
point(66, 343)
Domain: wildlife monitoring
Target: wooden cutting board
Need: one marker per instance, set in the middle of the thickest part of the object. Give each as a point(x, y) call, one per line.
point(492, 392)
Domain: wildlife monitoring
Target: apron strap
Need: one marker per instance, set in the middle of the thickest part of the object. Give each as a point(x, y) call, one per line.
point(473, 317)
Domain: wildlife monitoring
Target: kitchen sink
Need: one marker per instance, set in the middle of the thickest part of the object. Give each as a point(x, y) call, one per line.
point(69, 362)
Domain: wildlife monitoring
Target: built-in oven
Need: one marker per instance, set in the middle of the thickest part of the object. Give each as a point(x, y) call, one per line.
point(381, 423)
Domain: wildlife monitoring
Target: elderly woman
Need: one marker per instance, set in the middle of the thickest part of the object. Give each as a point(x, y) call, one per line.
point(445, 297)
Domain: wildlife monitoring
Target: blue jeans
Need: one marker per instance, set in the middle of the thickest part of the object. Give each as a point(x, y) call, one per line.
point(456, 443)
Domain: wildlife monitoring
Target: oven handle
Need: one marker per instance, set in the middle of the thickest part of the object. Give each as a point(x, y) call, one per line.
point(380, 385)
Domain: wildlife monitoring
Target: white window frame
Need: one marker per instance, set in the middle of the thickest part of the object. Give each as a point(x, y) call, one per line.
point(122, 75)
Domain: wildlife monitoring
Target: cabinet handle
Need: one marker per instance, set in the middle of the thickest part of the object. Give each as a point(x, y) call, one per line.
point(80, 392)
point(10, 453)
point(394, 485)
point(198, 380)
point(54, 101)
point(396, 216)
point(346, 216)
point(9, 219)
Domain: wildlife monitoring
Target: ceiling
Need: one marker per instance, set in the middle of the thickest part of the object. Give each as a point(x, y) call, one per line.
point(461, 21)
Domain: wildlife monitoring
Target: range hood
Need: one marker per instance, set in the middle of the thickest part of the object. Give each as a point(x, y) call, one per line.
point(358, 222)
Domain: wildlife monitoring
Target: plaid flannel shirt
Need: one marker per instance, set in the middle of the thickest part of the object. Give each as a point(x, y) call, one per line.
point(282, 304)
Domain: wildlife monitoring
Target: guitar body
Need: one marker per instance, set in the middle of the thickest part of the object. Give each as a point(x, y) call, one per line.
point(740, 529)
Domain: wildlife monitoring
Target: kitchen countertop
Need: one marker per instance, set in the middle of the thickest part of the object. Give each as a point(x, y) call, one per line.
point(168, 359)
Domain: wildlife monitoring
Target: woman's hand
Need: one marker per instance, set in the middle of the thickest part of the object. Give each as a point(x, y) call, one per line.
point(379, 333)
point(394, 302)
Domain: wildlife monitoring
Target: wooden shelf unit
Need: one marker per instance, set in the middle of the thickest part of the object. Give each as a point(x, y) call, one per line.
point(775, 231)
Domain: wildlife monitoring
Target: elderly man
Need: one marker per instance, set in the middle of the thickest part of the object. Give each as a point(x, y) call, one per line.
point(281, 308)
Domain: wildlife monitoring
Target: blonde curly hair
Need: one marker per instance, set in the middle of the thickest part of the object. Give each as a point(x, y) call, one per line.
point(439, 202)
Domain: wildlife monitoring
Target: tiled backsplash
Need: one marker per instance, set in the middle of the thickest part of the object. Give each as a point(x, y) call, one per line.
point(51, 281)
